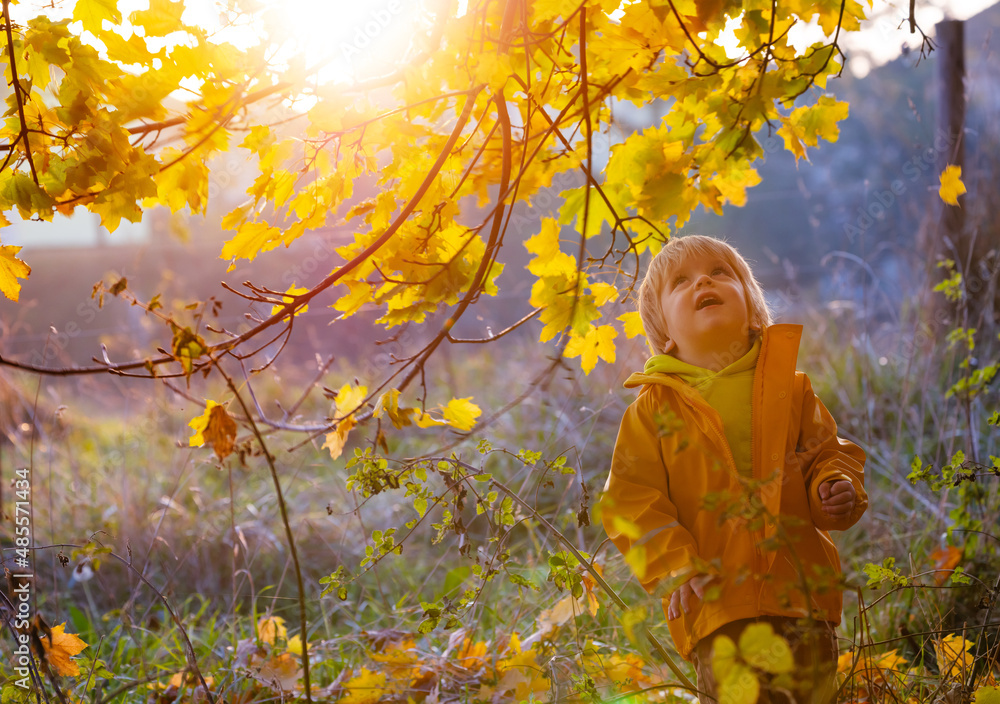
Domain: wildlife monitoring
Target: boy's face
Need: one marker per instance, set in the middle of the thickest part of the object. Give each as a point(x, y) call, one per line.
point(705, 312)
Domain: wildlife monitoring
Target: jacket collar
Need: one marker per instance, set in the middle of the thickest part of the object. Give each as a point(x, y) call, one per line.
point(779, 349)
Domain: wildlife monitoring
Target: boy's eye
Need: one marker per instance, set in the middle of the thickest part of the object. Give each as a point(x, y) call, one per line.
point(678, 281)
point(719, 270)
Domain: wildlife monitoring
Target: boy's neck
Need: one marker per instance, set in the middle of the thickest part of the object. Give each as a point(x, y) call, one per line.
point(715, 358)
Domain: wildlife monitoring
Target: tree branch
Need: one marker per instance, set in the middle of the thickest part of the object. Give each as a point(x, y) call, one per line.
point(18, 90)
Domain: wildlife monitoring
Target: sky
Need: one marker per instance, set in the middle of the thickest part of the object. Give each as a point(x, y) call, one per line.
point(357, 39)
point(360, 38)
point(882, 36)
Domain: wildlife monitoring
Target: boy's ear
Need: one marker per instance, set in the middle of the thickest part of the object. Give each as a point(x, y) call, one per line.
point(669, 346)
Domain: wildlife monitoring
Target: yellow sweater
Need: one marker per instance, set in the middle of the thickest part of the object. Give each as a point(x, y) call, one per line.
point(729, 391)
point(675, 506)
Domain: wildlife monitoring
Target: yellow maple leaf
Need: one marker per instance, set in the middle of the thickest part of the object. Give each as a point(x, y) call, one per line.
point(63, 647)
point(471, 656)
point(280, 673)
point(162, 17)
point(295, 645)
point(766, 650)
point(92, 13)
point(288, 297)
point(891, 661)
point(737, 682)
point(326, 116)
point(521, 672)
point(793, 142)
point(603, 292)
point(12, 269)
point(426, 420)
point(951, 184)
point(986, 695)
point(564, 609)
point(845, 662)
point(367, 688)
point(349, 399)
point(461, 413)
point(626, 672)
point(216, 428)
point(590, 593)
point(270, 628)
point(401, 661)
point(388, 403)
point(545, 245)
point(558, 265)
point(187, 346)
point(953, 656)
point(258, 139)
point(337, 438)
point(632, 323)
point(183, 679)
point(199, 424)
point(359, 293)
point(251, 238)
point(810, 123)
point(598, 342)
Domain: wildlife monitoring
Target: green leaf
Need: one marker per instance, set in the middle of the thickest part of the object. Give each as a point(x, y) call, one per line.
point(17, 190)
point(958, 576)
point(886, 572)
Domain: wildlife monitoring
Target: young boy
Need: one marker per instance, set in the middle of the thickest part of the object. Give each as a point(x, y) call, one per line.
point(728, 473)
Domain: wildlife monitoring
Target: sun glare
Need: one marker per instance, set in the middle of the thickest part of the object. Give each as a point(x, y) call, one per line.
point(351, 39)
point(343, 40)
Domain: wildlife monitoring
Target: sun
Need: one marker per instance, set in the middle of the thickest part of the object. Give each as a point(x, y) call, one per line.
point(349, 40)
point(339, 41)
point(343, 41)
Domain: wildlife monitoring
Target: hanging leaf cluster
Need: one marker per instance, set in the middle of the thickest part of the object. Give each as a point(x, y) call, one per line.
point(117, 114)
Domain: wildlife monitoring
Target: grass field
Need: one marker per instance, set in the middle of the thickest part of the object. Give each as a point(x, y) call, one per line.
point(167, 563)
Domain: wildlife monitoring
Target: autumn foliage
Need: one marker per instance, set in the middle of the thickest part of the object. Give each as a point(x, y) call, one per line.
point(431, 169)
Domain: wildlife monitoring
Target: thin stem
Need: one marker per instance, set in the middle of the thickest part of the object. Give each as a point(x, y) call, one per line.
point(288, 528)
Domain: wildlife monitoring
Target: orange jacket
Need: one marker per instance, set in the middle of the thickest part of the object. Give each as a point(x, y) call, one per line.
point(674, 504)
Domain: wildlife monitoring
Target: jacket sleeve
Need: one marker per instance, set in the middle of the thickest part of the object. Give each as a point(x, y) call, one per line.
point(636, 508)
point(825, 457)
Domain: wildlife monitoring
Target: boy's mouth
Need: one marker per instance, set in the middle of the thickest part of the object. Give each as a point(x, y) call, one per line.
point(708, 300)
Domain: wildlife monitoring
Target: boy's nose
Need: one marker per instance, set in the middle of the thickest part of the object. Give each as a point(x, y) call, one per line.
point(702, 279)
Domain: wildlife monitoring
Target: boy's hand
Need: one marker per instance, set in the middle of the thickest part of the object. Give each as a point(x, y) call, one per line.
point(838, 498)
point(682, 600)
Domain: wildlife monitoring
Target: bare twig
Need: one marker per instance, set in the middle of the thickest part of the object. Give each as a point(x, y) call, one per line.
point(304, 623)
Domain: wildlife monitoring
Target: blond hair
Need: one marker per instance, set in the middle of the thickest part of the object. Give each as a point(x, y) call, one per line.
point(675, 251)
